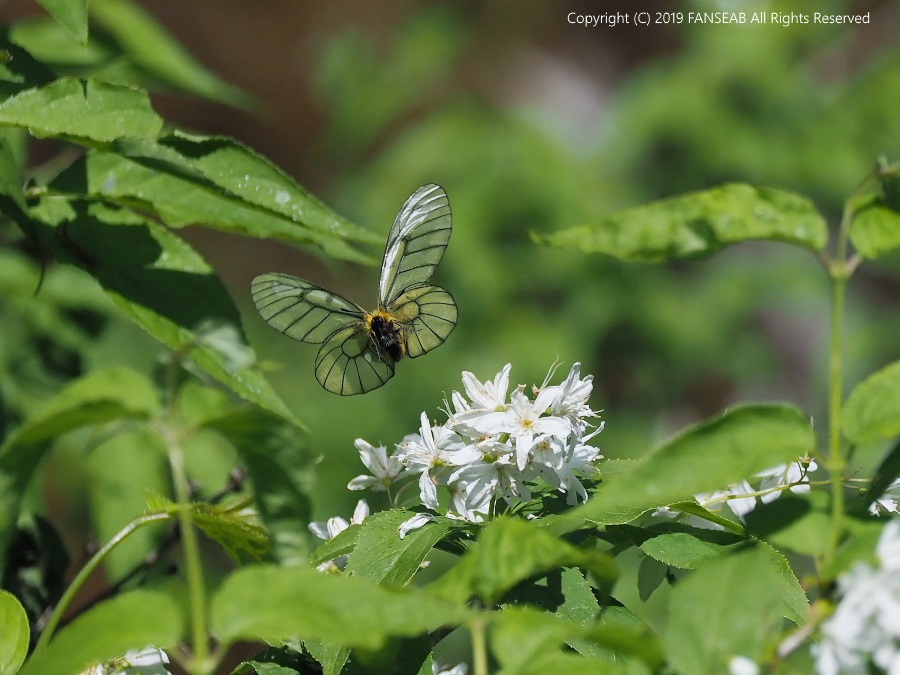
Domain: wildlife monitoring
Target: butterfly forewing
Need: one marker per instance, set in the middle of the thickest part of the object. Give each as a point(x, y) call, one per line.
point(347, 365)
point(416, 243)
point(427, 314)
point(302, 310)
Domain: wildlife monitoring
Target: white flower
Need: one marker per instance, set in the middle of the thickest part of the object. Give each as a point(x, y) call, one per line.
point(147, 661)
point(491, 395)
point(332, 528)
point(522, 421)
point(572, 395)
point(739, 505)
point(887, 502)
point(741, 665)
point(417, 521)
point(440, 669)
point(385, 470)
point(865, 626)
point(794, 474)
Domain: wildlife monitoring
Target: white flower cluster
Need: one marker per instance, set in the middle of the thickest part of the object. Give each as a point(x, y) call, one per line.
point(864, 630)
point(147, 661)
point(492, 448)
point(332, 527)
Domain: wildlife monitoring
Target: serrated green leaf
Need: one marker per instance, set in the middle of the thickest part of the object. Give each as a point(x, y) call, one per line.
point(132, 620)
point(275, 603)
point(160, 282)
point(799, 523)
point(102, 396)
point(276, 454)
point(873, 407)
point(706, 629)
point(700, 224)
point(71, 15)
point(686, 550)
point(238, 532)
point(509, 551)
point(381, 555)
point(145, 42)
point(213, 182)
point(15, 634)
point(87, 109)
point(709, 456)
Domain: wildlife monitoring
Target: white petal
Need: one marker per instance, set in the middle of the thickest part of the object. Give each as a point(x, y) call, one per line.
point(414, 523)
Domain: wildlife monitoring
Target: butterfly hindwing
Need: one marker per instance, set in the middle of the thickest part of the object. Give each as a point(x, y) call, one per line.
point(427, 314)
point(347, 363)
point(416, 242)
point(300, 309)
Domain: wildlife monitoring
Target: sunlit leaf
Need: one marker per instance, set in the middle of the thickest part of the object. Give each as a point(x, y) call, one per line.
point(87, 109)
point(509, 551)
point(15, 634)
point(873, 407)
point(132, 620)
point(709, 456)
point(699, 224)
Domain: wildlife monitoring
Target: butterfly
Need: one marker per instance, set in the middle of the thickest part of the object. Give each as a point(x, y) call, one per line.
point(359, 349)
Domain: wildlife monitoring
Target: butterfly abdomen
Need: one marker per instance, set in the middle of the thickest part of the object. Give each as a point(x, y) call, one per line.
point(386, 334)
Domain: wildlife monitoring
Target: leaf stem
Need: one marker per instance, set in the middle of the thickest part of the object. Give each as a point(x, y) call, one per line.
point(477, 630)
point(192, 563)
point(86, 571)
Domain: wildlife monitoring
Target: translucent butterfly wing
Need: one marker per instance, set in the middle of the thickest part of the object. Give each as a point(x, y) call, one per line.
point(416, 242)
point(428, 315)
point(302, 310)
point(347, 365)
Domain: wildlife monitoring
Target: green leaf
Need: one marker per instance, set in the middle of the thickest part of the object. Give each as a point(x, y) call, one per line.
point(799, 523)
point(15, 634)
point(381, 555)
point(161, 283)
point(873, 407)
point(19, 70)
point(102, 396)
point(237, 531)
point(149, 45)
point(509, 551)
point(71, 14)
point(686, 550)
point(120, 472)
point(699, 224)
point(709, 456)
point(751, 595)
point(132, 620)
point(87, 109)
point(875, 231)
point(276, 454)
point(216, 182)
point(274, 603)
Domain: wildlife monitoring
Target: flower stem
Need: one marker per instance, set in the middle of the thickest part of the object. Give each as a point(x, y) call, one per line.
point(86, 572)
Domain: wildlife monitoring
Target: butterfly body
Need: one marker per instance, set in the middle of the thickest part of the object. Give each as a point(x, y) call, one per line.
point(358, 348)
point(387, 335)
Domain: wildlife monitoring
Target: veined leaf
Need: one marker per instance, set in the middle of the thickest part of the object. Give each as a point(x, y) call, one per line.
point(132, 620)
point(71, 15)
point(698, 224)
point(509, 551)
point(160, 282)
point(88, 109)
point(873, 408)
point(709, 456)
point(213, 182)
point(875, 229)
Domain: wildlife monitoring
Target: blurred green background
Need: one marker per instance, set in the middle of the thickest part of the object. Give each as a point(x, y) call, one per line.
point(534, 124)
